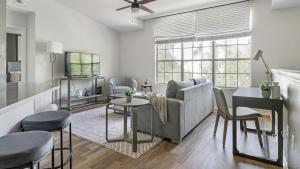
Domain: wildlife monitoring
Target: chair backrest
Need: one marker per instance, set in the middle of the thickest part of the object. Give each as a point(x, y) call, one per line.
point(121, 81)
point(221, 102)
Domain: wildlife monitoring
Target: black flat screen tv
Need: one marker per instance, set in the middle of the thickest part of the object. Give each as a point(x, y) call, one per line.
point(82, 64)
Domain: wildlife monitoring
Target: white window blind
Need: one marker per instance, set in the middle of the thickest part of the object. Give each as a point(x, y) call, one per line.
point(175, 25)
point(227, 19)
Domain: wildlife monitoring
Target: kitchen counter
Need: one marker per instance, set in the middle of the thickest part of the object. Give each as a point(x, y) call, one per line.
point(11, 93)
point(19, 100)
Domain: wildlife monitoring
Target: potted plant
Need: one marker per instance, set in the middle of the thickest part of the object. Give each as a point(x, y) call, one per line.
point(129, 94)
point(266, 89)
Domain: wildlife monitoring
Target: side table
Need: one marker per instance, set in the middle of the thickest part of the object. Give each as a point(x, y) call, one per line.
point(134, 104)
point(145, 86)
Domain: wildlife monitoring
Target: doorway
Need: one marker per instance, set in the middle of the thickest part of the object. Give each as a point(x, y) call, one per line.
point(16, 54)
point(13, 59)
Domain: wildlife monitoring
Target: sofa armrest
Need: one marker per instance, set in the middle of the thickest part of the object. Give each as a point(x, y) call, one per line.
point(198, 103)
point(175, 120)
point(111, 85)
point(193, 92)
point(175, 104)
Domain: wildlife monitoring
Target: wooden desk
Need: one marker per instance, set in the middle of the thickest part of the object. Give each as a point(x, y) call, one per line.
point(252, 98)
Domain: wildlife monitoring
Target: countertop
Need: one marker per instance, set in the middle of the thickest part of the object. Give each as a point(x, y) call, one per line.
point(11, 93)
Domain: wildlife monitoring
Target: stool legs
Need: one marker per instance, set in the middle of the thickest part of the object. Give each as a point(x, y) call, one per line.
point(61, 149)
point(53, 159)
point(70, 144)
point(31, 165)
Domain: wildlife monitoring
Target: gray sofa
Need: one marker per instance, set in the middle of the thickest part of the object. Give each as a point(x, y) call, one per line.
point(118, 85)
point(189, 102)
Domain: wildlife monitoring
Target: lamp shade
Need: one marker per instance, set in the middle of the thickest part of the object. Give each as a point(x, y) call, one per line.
point(258, 55)
point(55, 47)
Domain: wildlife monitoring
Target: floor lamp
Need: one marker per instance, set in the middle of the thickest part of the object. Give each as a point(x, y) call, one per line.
point(54, 48)
point(259, 55)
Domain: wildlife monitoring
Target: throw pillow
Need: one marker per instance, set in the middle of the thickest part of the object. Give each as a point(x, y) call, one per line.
point(174, 86)
point(199, 80)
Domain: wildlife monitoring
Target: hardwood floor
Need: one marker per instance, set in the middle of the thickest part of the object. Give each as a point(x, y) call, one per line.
point(199, 150)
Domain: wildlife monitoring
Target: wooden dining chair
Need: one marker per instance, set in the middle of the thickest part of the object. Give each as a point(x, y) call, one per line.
point(243, 114)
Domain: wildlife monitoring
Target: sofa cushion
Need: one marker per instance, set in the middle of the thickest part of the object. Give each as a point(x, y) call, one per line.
point(121, 89)
point(199, 80)
point(174, 86)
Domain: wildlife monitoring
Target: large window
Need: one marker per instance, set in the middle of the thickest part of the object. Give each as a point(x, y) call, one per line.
point(226, 62)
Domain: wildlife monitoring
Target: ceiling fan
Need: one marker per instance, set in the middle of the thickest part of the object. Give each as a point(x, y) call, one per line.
point(137, 5)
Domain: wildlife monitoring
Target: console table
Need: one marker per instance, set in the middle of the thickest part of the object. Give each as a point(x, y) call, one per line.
point(69, 99)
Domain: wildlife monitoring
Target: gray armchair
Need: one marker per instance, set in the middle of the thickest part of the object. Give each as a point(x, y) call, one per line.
point(118, 85)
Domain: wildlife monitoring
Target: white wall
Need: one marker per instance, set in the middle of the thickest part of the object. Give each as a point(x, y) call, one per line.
point(277, 33)
point(2, 41)
point(56, 22)
point(137, 54)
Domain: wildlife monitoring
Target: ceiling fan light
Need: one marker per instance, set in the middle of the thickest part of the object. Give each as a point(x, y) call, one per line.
point(135, 10)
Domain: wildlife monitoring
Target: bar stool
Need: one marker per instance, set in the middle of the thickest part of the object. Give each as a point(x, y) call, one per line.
point(52, 121)
point(26, 149)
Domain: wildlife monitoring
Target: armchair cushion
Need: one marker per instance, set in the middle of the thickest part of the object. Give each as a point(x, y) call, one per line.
point(121, 84)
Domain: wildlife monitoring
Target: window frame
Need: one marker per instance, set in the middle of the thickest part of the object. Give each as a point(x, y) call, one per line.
point(213, 60)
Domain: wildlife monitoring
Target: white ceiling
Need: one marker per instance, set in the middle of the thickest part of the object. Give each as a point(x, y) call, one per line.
point(280, 4)
point(103, 11)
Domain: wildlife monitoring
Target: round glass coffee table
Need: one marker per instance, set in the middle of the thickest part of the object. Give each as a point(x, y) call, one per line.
point(134, 104)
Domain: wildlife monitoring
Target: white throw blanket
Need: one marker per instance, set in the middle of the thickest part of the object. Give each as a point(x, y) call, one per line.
point(159, 103)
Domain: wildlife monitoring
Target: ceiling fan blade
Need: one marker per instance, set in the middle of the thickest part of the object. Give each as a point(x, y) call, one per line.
point(146, 9)
point(145, 1)
point(123, 7)
point(127, 1)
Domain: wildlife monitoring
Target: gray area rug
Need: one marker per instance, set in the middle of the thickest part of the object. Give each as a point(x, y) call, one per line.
point(90, 125)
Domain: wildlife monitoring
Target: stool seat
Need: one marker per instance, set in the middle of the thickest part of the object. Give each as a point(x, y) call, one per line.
point(19, 149)
point(47, 121)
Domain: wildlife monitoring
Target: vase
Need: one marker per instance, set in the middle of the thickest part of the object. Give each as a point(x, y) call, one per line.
point(266, 93)
point(128, 99)
point(275, 90)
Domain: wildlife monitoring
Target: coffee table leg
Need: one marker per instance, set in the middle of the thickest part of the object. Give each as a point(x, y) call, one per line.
point(134, 130)
point(106, 122)
point(152, 133)
point(125, 122)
